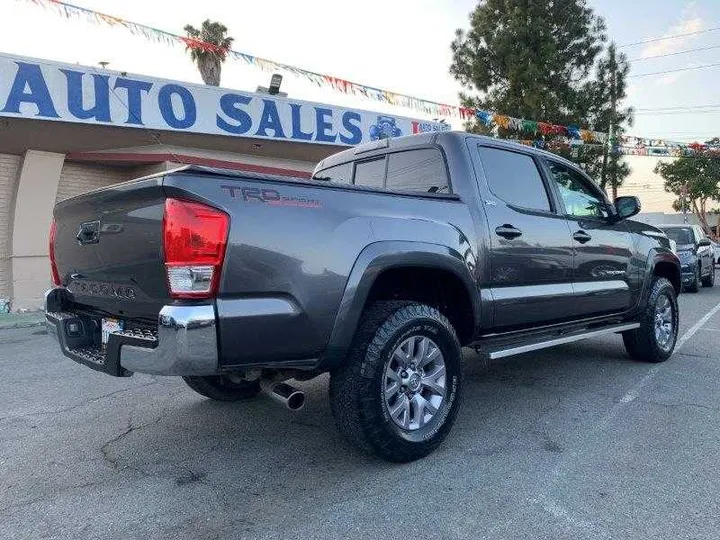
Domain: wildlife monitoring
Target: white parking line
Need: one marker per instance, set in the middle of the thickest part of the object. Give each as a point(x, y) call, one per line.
point(635, 390)
point(695, 327)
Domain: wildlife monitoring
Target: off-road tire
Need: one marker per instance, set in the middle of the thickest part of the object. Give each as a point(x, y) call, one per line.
point(641, 344)
point(223, 388)
point(357, 400)
point(695, 285)
point(709, 281)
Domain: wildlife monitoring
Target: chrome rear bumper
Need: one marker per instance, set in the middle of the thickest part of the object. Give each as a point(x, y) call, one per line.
point(184, 342)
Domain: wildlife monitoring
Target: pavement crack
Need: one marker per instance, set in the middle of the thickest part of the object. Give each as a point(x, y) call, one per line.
point(30, 502)
point(78, 406)
point(114, 462)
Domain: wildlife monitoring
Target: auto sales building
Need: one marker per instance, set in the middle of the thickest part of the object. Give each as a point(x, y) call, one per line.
point(67, 129)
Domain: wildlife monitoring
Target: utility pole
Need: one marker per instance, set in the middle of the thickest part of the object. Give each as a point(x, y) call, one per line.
point(613, 119)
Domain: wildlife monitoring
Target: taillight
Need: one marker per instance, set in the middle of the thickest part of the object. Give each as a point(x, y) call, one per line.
point(51, 252)
point(194, 239)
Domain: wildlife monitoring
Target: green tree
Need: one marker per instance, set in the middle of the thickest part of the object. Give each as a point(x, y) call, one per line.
point(607, 91)
point(694, 181)
point(209, 60)
point(528, 59)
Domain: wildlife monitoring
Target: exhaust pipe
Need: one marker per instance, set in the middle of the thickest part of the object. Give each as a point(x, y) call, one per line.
point(281, 392)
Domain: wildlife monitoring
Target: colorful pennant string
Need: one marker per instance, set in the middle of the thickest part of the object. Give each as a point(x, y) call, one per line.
point(567, 134)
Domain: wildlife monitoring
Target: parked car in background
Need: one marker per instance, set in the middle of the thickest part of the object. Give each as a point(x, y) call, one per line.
point(716, 252)
point(696, 254)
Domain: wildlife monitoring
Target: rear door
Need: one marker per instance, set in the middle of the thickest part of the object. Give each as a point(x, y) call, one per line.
point(530, 254)
point(602, 246)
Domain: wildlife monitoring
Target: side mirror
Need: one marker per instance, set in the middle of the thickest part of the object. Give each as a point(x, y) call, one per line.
point(626, 207)
point(704, 242)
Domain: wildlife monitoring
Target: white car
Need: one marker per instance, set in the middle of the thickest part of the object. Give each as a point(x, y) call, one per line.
point(716, 251)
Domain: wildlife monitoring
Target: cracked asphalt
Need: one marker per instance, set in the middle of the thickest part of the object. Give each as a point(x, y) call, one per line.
point(576, 442)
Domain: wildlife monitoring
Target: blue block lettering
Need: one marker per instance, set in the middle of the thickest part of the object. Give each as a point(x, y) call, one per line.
point(166, 108)
point(101, 109)
point(230, 104)
point(297, 132)
point(30, 76)
point(270, 119)
point(323, 118)
point(134, 98)
point(354, 128)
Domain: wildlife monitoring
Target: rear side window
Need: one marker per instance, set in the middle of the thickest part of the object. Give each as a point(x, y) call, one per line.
point(417, 170)
point(514, 178)
point(370, 173)
point(341, 174)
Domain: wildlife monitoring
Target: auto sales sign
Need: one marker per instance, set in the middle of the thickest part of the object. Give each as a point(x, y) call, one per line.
point(39, 89)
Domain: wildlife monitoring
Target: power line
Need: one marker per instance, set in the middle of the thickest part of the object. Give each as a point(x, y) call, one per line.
point(673, 70)
point(669, 37)
point(666, 113)
point(683, 107)
point(688, 51)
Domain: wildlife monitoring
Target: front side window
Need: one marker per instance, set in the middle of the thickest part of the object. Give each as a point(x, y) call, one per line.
point(417, 170)
point(580, 198)
point(514, 178)
point(370, 173)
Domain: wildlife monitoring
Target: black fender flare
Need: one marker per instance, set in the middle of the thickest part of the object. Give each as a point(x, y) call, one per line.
point(655, 257)
point(372, 261)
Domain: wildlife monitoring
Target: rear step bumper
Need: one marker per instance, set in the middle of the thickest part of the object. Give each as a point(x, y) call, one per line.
point(184, 343)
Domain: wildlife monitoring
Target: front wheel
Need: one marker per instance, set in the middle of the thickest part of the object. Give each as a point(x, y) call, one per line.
point(398, 394)
point(224, 387)
point(709, 280)
point(655, 340)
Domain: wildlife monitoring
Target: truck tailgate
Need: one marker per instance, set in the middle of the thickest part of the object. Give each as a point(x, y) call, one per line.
point(108, 249)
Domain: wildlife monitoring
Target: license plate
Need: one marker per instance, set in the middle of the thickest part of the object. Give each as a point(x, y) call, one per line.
point(108, 327)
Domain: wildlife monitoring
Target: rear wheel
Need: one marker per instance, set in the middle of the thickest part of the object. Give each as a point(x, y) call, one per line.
point(398, 394)
point(709, 280)
point(655, 340)
point(224, 387)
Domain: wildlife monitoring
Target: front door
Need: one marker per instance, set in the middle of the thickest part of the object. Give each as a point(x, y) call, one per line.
point(603, 246)
point(530, 275)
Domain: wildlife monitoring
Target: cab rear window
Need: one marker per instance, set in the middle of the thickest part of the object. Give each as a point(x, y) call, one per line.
point(421, 171)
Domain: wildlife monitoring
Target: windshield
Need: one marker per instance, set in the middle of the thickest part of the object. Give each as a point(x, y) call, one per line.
point(681, 235)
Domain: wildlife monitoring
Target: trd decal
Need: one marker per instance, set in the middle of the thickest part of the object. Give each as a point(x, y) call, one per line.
point(271, 197)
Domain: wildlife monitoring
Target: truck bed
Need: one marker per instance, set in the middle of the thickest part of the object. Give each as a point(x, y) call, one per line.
point(291, 247)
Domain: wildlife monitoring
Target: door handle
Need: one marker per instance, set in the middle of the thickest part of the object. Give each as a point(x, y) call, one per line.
point(582, 237)
point(508, 231)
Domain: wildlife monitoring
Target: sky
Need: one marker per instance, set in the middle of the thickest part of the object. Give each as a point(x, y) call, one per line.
point(398, 45)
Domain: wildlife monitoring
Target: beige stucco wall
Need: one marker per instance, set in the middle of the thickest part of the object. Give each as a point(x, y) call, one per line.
point(36, 192)
point(9, 168)
point(79, 178)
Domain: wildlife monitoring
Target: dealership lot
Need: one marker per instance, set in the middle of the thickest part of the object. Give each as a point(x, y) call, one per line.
point(573, 442)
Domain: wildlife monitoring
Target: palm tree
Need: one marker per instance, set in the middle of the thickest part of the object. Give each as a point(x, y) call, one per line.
point(208, 48)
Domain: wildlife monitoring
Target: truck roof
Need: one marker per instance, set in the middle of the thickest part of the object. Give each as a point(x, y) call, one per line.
point(408, 142)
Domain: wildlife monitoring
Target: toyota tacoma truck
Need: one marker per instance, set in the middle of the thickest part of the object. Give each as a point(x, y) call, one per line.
point(378, 270)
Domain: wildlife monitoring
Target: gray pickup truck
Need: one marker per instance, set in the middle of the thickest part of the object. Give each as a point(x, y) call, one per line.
point(396, 255)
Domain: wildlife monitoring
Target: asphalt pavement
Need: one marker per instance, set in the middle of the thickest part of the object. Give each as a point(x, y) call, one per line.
point(576, 442)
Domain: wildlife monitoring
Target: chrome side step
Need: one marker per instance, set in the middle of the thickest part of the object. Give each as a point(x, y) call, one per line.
point(502, 353)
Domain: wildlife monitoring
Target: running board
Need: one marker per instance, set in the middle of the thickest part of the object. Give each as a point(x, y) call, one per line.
point(502, 353)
